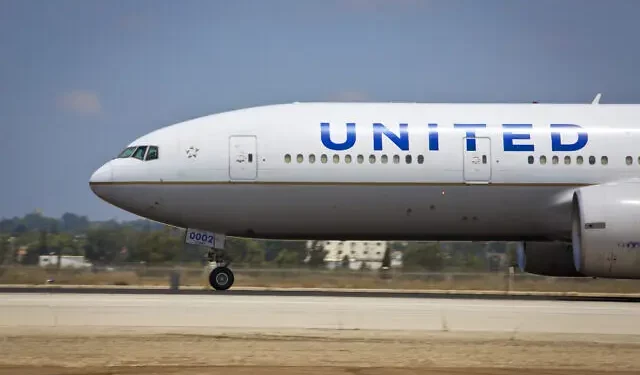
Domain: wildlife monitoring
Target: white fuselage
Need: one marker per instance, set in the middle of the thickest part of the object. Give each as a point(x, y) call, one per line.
point(271, 172)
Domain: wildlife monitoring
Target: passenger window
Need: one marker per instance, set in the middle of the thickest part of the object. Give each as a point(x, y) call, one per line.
point(420, 159)
point(300, 158)
point(336, 159)
point(554, 160)
point(323, 159)
point(592, 160)
point(152, 154)
point(139, 154)
point(604, 160)
point(396, 159)
point(360, 159)
point(579, 160)
point(312, 158)
point(287, 158)
point(530, 159)
point(347, 159)
point(629, 160)
point(543, 160)
point(126, 152)
point(372, 159)
point(384, 159)
point(407, 159)
point(567, 160)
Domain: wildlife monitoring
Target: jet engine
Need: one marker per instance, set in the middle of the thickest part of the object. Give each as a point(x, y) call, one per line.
point(606, 230)
point(547, 259)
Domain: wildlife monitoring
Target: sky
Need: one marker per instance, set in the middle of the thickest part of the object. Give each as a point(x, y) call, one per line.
point(79, 80)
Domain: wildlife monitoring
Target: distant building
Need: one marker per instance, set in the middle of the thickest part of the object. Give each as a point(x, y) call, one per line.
point(66, 261)
point(358, 253)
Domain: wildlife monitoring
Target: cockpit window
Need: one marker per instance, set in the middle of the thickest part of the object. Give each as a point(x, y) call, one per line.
point(126, 152)
point(139, 154)
point(152, 154)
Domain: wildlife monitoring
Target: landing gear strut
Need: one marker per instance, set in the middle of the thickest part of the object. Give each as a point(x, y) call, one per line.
point(221, 277)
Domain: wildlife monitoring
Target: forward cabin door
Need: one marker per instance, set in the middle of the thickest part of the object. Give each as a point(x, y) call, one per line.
point(243, 160)
point(477, 163)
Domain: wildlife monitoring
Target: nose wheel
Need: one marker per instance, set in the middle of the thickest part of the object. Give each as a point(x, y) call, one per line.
point(221, 277)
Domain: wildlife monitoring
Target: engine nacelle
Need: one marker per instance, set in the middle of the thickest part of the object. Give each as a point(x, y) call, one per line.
point(606, 230)
point(547, 259)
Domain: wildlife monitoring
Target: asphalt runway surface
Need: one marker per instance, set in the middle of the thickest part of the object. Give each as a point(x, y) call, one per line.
point(50, 333)
point(266, 312)
point(329, 292)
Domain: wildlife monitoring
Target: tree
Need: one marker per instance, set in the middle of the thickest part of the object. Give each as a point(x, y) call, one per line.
point(73, 223)
point(364, 266)
point(156, 247)
point(287, 257)
point(345, 262)
point(43, 246)
point(386, 259)
point(9, 225)
point(4, 249)
point(316, 255)
point(103, 245)
point(426, 256)
point(512, 254)
point(473, 262)
point(255, 254)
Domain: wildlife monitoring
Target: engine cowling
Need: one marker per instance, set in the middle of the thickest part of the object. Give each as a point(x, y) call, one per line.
point(547, 259)
point(606, 230)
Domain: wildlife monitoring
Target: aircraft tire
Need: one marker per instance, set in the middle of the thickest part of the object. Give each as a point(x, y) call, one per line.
point(221, 278)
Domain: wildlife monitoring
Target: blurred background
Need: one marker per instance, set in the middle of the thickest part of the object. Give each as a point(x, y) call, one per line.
point(73, 250)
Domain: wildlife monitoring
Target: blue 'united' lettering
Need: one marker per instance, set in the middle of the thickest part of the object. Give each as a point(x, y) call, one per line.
point(471, 134)
point(325, 136)
point(508, 137)
point(402, 140)
point(556, 141)
point(515, 137)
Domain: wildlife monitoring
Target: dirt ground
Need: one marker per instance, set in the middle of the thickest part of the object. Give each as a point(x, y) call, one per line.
point(312, 352)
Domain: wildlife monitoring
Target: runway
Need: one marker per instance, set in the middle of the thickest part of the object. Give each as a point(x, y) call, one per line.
point(53, 333)
point(184, 313)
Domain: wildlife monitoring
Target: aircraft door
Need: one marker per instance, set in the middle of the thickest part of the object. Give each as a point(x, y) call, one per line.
point(243, 160)
point(477, 163)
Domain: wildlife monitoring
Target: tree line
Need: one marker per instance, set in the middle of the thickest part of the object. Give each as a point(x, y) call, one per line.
point(142, 241)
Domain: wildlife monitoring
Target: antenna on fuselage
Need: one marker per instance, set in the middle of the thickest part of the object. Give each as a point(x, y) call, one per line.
point(596, 100)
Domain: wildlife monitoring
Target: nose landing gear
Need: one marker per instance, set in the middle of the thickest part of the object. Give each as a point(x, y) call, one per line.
point(221, 277)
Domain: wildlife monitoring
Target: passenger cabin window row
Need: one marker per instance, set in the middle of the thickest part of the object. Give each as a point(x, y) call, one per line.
point(140, 152)
point(360, 159)
point(567, 160)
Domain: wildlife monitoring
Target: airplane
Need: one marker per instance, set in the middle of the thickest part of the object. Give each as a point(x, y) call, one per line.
point(560, 179)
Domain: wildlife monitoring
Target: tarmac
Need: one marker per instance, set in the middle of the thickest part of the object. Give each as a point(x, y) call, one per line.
point(129, 331)
point(327, 292)
point(226, 310)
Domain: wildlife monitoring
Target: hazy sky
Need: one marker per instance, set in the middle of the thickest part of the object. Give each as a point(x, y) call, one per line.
point(81, 79)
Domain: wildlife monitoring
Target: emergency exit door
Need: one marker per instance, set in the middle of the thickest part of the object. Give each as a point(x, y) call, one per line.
point(477, 162)
point(243, 161)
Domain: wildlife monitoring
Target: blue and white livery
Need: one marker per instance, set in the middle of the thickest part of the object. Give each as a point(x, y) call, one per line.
point(562, 179)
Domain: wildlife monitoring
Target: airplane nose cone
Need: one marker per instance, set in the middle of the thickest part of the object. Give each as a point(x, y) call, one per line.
point(102, 174)
point(100, 178)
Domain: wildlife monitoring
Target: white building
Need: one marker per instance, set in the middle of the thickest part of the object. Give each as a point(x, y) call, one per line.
point(370, 253)
point(66, 261)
